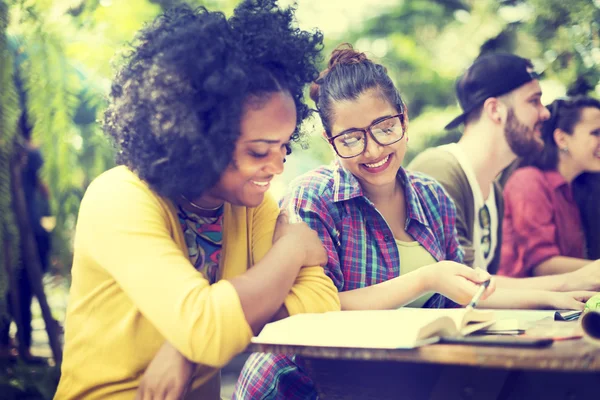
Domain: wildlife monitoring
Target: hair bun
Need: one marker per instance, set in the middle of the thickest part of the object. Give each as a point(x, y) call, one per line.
point(345, 54)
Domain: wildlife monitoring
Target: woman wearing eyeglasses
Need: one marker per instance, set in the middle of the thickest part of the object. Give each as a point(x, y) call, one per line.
point(549, 201)
point(389, 233)
point(378, 221)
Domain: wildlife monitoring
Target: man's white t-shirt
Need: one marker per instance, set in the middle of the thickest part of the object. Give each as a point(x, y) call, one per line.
point(481, 259)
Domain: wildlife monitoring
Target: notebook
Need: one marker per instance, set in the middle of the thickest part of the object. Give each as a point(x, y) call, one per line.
point(405, 328)
point(505, 327)
point(516, 322)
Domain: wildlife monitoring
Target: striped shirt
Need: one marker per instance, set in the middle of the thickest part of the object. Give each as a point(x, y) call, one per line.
point(361, 252)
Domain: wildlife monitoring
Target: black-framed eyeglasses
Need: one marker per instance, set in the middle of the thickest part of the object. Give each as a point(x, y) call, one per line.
point(486, 230)
point(353, 142)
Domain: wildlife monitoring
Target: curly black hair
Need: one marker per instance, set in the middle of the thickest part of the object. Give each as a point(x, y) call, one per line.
point(176, 105)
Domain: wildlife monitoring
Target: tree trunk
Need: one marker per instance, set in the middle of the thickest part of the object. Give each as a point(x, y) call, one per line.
point(31, 259)
point(13, 291)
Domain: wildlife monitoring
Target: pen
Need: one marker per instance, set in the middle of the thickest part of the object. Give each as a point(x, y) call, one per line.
point(480, 291)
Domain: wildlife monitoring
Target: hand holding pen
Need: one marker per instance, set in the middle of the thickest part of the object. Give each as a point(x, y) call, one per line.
point(482, 287)
point(456, 281)
point(487, 285)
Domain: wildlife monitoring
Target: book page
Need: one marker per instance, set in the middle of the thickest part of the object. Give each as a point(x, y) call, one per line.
point(517, 321)
point(463, 316)
point(523, 315)
point(388, 329)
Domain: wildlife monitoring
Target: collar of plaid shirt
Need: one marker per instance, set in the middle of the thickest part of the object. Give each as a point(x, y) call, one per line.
point(361, 246)
point(347, 187)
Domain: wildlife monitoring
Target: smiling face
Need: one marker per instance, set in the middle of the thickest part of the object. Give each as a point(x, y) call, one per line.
point(377, 165)
point(259, 153)
point(525, 118)
point(584, 143)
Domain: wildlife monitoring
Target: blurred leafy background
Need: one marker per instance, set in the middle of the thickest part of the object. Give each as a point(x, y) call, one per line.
point(62, 52)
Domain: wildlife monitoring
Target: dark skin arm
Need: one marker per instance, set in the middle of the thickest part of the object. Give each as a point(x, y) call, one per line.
point(170, 373)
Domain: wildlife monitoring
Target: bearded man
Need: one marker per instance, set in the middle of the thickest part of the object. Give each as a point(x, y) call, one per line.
point(500, 96)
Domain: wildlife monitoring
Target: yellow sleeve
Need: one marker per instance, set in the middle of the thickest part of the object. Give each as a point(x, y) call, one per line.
point(313, 291)
point(123, 228)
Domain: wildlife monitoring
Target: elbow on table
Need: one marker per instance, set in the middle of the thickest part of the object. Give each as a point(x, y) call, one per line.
point(212, 326)
point(215, 346)
point(315, 294)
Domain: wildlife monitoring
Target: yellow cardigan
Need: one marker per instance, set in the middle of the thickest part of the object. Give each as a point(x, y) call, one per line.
point(133, 288)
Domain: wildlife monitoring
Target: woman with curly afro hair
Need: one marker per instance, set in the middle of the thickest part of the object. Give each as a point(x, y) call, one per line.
point(181, 254)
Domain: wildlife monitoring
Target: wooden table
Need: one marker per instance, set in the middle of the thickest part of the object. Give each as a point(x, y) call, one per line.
point(567, 370)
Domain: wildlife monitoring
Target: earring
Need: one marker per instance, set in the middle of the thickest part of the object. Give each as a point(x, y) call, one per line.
point(564, 150)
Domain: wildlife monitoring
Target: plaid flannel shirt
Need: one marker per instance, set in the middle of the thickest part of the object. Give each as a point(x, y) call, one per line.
point(361, 252)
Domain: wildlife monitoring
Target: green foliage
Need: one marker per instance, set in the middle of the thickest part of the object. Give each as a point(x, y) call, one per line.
point(66, 86)
point(570, 33)
point(69, 46)
point(9, 113)
point(66, 48)
point(427, 44)
point(62, 104)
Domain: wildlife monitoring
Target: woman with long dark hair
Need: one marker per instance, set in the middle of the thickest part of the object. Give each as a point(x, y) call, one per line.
point(551, 200)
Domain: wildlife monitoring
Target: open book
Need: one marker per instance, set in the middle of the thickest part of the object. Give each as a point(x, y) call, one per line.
point(404, 328)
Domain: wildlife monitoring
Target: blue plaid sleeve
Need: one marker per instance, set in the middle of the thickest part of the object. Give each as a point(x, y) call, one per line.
point(308, 201)
point(272, 377)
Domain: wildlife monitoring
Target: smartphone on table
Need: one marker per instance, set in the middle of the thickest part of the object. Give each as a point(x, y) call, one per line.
point(500, 340)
